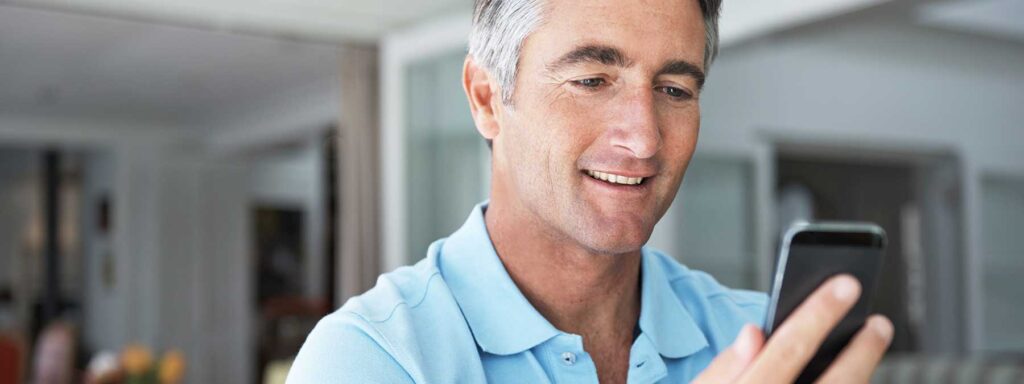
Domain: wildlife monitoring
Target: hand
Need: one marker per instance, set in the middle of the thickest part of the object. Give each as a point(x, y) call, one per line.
point(750, 360)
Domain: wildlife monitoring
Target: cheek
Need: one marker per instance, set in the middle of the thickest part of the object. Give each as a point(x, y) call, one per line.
point(563, 126)
point(680, 138)
point(681, 124)
point(533, 149)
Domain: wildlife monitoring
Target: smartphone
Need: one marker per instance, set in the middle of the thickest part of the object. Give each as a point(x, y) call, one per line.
point(810, 254)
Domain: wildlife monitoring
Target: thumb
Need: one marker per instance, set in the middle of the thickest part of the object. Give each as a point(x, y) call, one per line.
point(730, 364)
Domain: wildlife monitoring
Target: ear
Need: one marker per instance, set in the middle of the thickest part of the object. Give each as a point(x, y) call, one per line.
point(484, 98)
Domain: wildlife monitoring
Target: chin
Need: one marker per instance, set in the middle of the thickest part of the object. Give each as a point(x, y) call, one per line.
point(613, 234)
point(612, 240)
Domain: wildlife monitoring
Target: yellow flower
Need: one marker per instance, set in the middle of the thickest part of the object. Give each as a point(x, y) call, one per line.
point(172, 367)
point(136, 359)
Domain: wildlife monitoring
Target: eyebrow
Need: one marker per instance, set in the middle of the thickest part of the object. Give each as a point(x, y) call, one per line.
point(608, 55)
point(686, 68)
point(592, 53)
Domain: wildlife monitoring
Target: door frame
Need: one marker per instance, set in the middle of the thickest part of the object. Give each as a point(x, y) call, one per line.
point(399, 50)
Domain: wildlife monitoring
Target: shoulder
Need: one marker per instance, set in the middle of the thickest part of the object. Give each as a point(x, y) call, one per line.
point(720, 310)
point(341, 350)
point(404, 289)
point(396, 324)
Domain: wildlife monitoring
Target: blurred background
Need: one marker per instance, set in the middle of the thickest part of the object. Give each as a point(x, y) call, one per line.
point(187, 187)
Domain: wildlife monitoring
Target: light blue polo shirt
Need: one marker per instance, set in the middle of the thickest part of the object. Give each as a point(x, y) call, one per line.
point(457, 317)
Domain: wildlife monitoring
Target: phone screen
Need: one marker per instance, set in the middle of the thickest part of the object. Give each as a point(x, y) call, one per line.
point(812, 259)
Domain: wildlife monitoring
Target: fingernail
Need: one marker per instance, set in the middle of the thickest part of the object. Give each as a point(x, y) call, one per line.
point(846, 288)
point(883, 326)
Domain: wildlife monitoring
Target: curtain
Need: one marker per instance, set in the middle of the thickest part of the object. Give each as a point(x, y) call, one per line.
point(358, 165)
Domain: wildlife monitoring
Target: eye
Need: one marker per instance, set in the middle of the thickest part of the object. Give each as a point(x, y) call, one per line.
point(676, 93)
point(592, 82)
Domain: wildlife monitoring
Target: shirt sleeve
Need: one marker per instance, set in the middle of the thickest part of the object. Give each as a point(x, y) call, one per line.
point(338, 352)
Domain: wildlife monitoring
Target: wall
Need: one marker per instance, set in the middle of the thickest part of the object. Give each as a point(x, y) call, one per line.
point(202, 299)
point(868, 79)
point(181, 247)
point(1003, 250)
point(99, 256)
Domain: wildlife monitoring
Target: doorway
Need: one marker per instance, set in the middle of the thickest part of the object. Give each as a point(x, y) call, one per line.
point(915, 197)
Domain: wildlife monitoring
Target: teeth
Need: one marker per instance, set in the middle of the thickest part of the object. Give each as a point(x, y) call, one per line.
point(616, 179)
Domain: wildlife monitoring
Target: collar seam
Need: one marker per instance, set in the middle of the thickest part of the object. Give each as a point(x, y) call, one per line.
point(421, 300)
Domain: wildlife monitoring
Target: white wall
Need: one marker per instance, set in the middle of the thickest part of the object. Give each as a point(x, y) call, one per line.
point(284, 116)
point(203, 275)
point(1003, 208)
point(181, 246)
point(99, 296)
point(872, 79)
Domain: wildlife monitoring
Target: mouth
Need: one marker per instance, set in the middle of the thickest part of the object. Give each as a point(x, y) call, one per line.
point(615, 179)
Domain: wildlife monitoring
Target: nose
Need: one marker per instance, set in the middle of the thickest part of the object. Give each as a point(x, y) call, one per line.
point(636, 125)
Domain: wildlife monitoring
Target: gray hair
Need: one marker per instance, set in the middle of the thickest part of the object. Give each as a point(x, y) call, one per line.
point(501, 26)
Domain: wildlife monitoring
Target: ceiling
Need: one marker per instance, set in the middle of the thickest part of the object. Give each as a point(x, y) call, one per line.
point(190, 63)
point(323, 20)
point(185, 62)
point(745, 19)
point(997, 18)
point(85, 66)
point(362, 20)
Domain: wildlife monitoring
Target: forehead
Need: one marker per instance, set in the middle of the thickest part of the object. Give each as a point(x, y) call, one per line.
point(655, 29)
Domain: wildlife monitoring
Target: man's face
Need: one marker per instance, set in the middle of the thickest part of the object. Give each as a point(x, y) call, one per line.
point(603, 86)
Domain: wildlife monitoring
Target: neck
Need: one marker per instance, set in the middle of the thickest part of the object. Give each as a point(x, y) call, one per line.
point(578, 290)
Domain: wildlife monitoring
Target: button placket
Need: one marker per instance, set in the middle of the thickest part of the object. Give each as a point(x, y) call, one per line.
point(646, 364)
point(568, 358)
point(570, 363)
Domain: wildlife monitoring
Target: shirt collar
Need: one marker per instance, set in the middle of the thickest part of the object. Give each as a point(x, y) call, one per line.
point(504, 322)
point(663, 318)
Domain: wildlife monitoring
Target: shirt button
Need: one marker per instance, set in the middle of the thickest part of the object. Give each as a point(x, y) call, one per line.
point(569, 358)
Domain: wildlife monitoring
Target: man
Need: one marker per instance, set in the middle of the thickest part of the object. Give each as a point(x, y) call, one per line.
point(592, 110)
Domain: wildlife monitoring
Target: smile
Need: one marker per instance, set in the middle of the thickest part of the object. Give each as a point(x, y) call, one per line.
point(615, 179)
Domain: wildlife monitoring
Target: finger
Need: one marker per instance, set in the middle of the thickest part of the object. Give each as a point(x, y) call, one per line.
point(859, 358)
point(730, 364)
point(798, 338)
